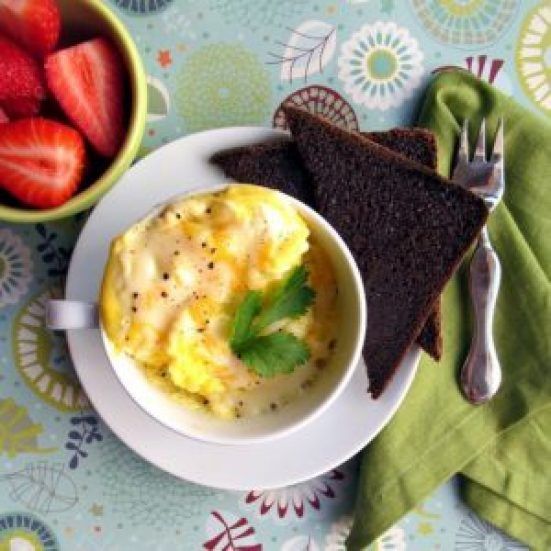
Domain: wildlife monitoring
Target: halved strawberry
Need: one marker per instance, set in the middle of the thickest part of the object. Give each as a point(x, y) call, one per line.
point(3, 116)
point(21, 88)
point(19, 108)
point(35, 24)
point(41, 161)
point(87, 81)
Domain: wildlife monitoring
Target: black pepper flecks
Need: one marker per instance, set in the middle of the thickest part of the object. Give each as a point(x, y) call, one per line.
point(213, 250)
point(135, 295)
point(176, 253)
point(134, 309)
point(164, 294)
point(178, 215)
point(204, 245)
point(210, 265)
point(166, 276)
point(209, 210)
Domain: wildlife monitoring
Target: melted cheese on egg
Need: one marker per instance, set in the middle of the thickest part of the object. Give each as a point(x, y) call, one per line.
point(173, 282)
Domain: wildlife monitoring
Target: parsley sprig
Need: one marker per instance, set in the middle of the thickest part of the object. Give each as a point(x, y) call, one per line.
point(278, 352)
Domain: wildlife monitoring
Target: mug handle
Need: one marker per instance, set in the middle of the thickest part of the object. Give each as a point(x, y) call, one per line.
point(71, 314)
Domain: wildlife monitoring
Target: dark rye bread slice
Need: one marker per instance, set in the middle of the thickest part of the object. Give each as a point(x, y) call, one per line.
point(408, 235)
point(278, 165)
point(417, 144)
point(274, 164)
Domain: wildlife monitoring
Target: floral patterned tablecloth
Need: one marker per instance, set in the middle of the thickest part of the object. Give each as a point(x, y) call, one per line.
point(65, 481)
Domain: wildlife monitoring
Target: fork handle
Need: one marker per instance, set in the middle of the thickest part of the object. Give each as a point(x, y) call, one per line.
point(481, 372)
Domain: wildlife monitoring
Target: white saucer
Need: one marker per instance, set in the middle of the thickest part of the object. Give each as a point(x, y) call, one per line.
point(339, 433)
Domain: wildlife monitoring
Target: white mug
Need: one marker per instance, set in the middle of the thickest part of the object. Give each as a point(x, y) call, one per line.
point(199, 424)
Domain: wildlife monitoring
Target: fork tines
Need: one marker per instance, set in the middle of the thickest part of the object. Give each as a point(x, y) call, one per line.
point(480, 148)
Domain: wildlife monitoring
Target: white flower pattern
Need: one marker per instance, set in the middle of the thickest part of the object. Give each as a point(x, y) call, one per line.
point(533, 56)
point(15, 267)
point(381, 65)
point(393, 539)
point(294, 500)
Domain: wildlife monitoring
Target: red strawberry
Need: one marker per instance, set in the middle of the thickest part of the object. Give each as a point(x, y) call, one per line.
point(3, 116)
point(87, 81)
point(33, 23)
point(19, 108)
point(21, 89)
point(41, 161)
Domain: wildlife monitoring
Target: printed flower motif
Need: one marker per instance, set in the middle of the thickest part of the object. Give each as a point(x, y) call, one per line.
point(259, 13)
point(25, 531)
point(223, 85)
point(15, 267)
point(465, 22)
point(158, 99)
point(42, 359)
point(179, 21)
point(295, 499)
point(142, 7)
point(18, 432)
point(393, 539)
point(335, 540)
point(533, 56)
point(381, 65)
point(485, 68)
point(164, 58)
point(319, 100)
point(475, 534)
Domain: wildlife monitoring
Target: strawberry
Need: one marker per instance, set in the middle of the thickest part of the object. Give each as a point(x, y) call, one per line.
point(19, 108)
point(3, 116)
point(21, 89)
point(35, 24)
point(88, 82)
point(41, 161)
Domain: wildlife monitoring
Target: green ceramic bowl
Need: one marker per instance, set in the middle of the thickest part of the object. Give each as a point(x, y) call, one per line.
point(84, 19)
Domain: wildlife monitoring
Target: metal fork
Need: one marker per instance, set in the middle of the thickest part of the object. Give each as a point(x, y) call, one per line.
point(481, 372)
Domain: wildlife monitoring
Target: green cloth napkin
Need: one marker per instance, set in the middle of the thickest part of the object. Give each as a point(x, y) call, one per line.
point(503, 448)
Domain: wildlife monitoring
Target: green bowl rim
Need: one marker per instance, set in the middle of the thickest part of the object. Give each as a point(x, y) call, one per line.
point(128, 150)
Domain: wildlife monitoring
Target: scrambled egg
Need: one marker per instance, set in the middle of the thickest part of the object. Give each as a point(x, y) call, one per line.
point(174, 281)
